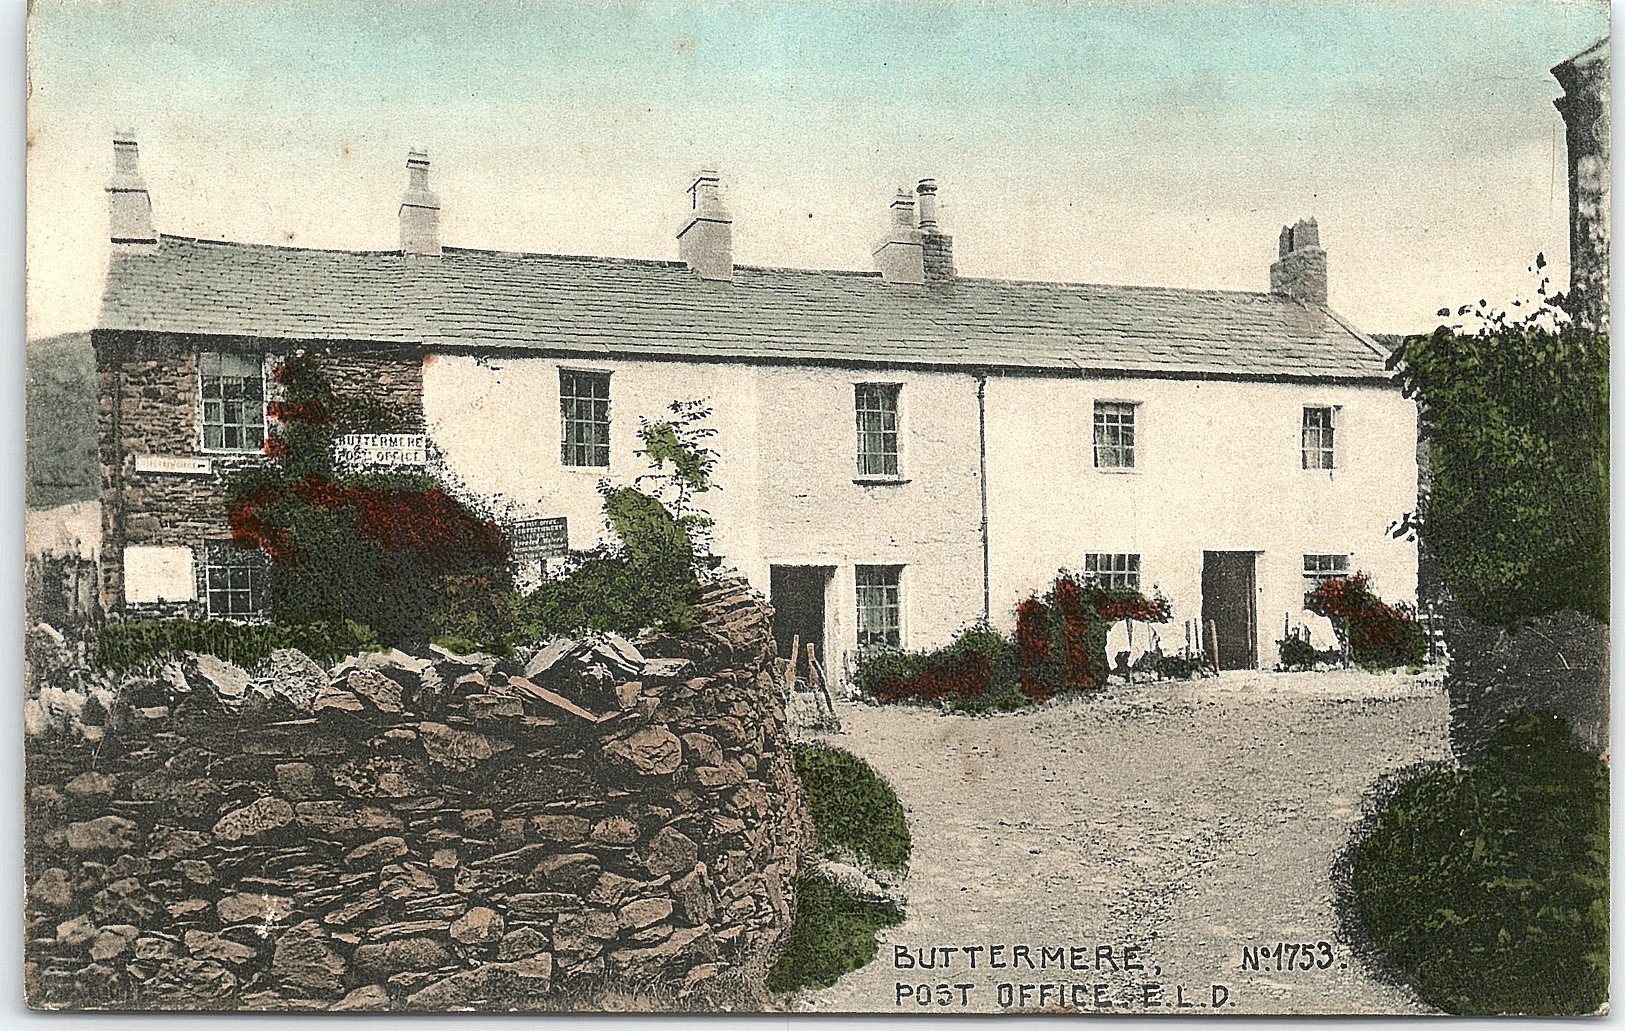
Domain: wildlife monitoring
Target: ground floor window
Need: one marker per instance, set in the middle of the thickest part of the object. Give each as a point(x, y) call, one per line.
point(1320, 568)
point(236, 581)
point(1114, 571)
point(880, 608)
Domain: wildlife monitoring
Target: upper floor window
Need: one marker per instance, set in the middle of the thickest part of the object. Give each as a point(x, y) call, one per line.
point(1114, 435)
point(584, 409)
point(1317, 438)
point(1118, 572)
point(235, 580)
point(880, 607)
point(877, 429)
point(233, 389)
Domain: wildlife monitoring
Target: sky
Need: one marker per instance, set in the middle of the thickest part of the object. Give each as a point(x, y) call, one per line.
point(1159, 143)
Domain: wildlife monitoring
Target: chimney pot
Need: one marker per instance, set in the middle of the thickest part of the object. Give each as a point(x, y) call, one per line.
point(927, 189)
point(420, 209)
point(705, 242)
point(937, 247)
point(1300, 273)
point(128, 202)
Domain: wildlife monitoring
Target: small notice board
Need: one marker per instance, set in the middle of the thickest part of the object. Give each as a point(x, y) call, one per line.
point(534, 539)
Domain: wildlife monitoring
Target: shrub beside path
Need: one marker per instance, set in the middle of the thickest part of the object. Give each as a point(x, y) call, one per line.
point(1188, 819)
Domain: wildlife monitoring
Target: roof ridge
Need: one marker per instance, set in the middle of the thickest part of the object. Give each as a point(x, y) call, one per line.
point(616, 259)
point(177, 238)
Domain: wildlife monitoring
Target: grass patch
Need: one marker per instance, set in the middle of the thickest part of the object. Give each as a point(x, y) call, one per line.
point(833, 933)
point(1487, 887)
point(852, 807)
point(855, 812)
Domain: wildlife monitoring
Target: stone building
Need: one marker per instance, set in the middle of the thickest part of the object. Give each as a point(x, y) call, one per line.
point(1584, 106)
point(903, 451)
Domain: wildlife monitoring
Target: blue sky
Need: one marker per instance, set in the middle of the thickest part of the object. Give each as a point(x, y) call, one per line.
point(1157, 143)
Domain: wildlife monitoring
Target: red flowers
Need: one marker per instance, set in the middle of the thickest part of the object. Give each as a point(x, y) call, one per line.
point(427, 522)
point(1374, 632)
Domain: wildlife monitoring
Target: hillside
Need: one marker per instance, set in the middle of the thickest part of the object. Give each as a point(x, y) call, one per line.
point(61, 422)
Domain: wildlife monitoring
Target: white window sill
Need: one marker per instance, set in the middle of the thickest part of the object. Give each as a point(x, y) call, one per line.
point(590, 470)
point(880, 481)
point(1118, 470)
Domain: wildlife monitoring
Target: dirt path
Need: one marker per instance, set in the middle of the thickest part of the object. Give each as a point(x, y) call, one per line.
point(1186, 820)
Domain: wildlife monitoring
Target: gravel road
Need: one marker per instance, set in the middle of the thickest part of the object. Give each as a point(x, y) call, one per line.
point(1186, 821)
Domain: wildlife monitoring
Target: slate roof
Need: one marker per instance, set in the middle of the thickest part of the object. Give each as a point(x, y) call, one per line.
point(492, 301)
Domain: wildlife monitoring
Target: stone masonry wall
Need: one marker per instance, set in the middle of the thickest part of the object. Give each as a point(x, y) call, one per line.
point(414, 835)
point(150, 405)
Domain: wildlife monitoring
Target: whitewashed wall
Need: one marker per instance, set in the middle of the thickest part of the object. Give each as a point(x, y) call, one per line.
point(1217, 468)
point(788, 444)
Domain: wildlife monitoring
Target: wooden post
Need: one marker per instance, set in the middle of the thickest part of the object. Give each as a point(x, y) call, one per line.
point(815, 676)
point(795, 658)
point(1213, 644)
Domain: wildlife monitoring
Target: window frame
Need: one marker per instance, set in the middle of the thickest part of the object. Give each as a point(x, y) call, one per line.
point(1127, 578)
point(569, 417)
point(890, 461)
point(204, 401)
point(891, 630)
point(218, 559)
point(1125, 452)
point(1324, 447)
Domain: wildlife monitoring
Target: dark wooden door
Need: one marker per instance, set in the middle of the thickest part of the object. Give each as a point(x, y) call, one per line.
point(798, 594)
point(1230, 604)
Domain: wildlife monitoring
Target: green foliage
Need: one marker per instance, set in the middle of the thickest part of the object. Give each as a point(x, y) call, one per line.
point(1299, 653)
point(476, 613)
point(393, 550)
point(680, 441)
point(833, 933)
point(852, 807)
point(1059, 645)
point(855, 811)
point(63, 466)
point(1488, 886)
point(138, 642)
point(647, 582)
point(1517, 414)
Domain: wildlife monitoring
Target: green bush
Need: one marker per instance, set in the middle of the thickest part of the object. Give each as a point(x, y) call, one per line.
point(977, 671)
point(833, 933)
point(648, 582)
point(852, 807)
point(1488, 886)
point(136, 643)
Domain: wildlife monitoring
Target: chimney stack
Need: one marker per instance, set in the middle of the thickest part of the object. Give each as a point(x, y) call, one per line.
point(420, 209)
point(1301, 271)
point(937, 249)
point(901, 256)
point(128, 202)
point(706, 240)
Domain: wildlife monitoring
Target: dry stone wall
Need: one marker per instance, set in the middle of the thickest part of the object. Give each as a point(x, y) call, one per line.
point(418, 834)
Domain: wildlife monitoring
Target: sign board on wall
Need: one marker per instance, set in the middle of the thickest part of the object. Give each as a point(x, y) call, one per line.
point(534, 539)
point(173, 465)
point(357, 452)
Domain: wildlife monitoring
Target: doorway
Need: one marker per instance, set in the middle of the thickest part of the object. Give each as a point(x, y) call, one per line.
point(798, 595)
point(1230, 605)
